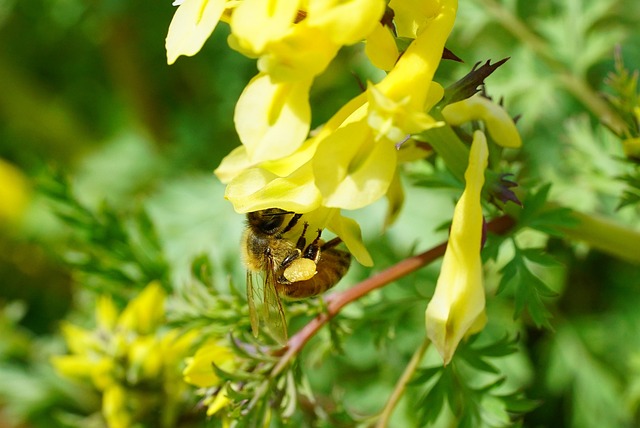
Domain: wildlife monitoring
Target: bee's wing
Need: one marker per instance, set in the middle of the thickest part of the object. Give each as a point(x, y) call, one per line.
point(252, 294)
point(273, 312)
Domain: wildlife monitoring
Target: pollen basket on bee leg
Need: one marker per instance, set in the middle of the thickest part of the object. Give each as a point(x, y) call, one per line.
point(300, 270)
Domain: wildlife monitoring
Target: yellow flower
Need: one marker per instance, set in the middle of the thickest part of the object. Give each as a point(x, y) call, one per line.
point(199, 372)
point(126, 352)
point(457, 306)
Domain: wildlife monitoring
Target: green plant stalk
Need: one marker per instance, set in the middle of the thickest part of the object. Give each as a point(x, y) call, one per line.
point(605, 235)
point(448, 146)
point(401, 386)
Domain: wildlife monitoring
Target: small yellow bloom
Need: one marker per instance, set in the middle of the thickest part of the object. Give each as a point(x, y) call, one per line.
point(499, 124)
point(145, 313)
point(199, 369)
point(114, 407)
point(217, 402)
point(199, 372)
point(457, 306)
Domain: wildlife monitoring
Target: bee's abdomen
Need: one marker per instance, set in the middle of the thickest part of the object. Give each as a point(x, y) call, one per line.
point(331, 267)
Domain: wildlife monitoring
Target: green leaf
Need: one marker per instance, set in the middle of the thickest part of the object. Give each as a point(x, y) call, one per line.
point(527, 289)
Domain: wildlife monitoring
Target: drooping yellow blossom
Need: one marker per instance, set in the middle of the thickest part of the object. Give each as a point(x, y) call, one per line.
point(199, 372)
point(127, 357)
point(498, 122)
point(14, 193)
point(352, 161)
point(457, 306)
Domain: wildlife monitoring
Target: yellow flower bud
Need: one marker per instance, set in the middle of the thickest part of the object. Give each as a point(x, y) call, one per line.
point(498, 122)
point(457, 306)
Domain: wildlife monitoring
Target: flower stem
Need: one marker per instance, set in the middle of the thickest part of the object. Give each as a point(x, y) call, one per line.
point(449, 147)
point(605, 235)
point(383, 421)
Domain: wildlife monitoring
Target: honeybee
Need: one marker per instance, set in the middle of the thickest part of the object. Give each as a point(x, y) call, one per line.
point(291, 269)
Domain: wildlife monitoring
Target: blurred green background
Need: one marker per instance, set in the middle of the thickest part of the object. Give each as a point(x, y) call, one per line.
point(85, 92)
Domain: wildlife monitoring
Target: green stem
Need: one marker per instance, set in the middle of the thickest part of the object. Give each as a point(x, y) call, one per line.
point(383, 421)
point(603, 234)
point(449, 147)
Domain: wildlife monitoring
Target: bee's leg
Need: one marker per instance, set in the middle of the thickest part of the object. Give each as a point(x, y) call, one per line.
point(291, 224)
point(312, 252)
point(330, 244)
point(302, 241)
point(293, 255)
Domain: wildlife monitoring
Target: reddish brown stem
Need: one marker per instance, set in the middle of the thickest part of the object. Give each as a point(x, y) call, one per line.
point(336, 301)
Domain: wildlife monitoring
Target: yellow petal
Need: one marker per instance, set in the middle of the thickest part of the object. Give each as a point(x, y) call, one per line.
point(106, 313)
point(345, 22)
point(217, 403)
point(114, 407)
point(381, 48)
point(411, 16)
point(233, 164)
point(349, 231)
point(457, 306)
point(499, 124)
point(79, 340)
point(199, 369)
point(414, 71)
point(352, 170)
point(73, 366)
point(145, 313)
point(258, 189)
point(144, 358)
point(396, 119)
point(256, 23)
point(191, 26)
point(272, 120)
point(304, 53)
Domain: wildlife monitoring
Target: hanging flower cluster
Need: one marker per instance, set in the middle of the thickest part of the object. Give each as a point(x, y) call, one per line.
point(352, 160)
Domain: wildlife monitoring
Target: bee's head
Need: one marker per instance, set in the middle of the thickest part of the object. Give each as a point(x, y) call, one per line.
point(267, 221)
